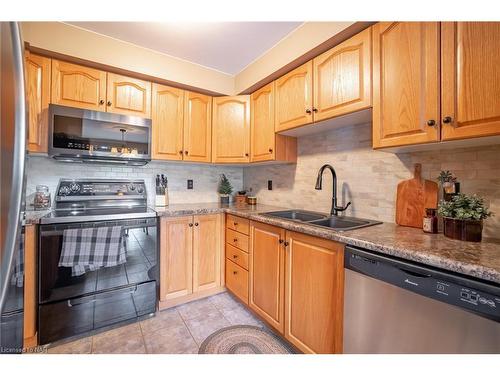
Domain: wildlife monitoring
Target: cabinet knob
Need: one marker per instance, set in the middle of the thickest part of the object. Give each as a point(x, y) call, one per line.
point(308, 111)
point(281, 241)
point(196, 224)
point(101, 102)
point(315, 110)
point(109, 103)
point(235, 256)
point(235, 240)
point(235, 224)
point(431, 123)
point(235, 272)
point(270, 150)
point(190, 224)
point(181, 152)
point(186, 152)
point(246, 153)
point(287, 243)
point(447, 120)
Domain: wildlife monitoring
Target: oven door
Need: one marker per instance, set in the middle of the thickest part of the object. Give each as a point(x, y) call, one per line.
point(62, 282)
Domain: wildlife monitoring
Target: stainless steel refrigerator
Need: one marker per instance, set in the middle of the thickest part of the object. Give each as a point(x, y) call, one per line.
point(13, 120)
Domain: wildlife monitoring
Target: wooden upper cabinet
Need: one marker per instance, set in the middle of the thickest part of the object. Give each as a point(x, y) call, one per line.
point(128, 96)
point(294, 102)
point(262, 134)
point(405, 83)
point(342, 78)
point(38, 97)
point(78, 86)
point(206, 252)
point(231, 129)
point(167, 124)
point(470, 83)
point(176, 257)
point(267, 273)
point(197, 127)
point(314, 287)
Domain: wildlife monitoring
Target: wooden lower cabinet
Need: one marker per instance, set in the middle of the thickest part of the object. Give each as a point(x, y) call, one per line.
point(314, 287)
point(267, 273)
point(297, 286)
point(190, 258)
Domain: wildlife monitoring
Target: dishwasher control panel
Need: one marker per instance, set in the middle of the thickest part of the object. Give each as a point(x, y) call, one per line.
point(470, 294)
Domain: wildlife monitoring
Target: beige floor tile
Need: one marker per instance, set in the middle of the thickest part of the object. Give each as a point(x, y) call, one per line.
point(163, 319)
point(171, 340)
point(240, 315)
point(82, 346)
point(224, 300)
point(197, 309)
point(204, 326)
point(124, 340)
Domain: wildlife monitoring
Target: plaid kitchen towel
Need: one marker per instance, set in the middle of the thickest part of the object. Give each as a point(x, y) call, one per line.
point(87, 249)
point(17, 277)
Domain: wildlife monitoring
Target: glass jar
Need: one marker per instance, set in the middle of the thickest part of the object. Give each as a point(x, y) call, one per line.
point(42, 198)
point(430, 222)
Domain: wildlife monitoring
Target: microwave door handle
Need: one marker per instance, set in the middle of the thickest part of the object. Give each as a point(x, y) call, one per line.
point(18, 159)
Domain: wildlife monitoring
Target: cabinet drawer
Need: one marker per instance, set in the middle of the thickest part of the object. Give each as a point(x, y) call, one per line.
point(237, 280)
point(237, 256)
point(238, 224)
point(237, 239)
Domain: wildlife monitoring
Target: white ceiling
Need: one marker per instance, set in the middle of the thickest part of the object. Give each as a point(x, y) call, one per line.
point(225, 46)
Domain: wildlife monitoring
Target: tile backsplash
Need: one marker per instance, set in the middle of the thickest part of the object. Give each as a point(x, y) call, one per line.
point(369, 178)
point(42, 170)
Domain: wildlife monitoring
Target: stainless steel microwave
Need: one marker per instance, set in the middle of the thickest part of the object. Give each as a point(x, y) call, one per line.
point(90, 136)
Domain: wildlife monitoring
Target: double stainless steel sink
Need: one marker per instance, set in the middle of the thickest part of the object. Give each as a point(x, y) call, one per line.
point(339, 223)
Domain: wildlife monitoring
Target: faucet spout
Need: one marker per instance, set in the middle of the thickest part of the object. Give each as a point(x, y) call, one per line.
point(319, 185)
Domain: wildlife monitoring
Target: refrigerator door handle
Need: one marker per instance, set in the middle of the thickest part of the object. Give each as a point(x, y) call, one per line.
point(19, 153)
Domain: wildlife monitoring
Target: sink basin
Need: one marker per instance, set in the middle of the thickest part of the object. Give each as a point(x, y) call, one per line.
point(343, 222)
point(298, 215)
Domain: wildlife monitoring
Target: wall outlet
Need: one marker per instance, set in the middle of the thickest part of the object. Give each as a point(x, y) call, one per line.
point(269, 184)
point(190, 184)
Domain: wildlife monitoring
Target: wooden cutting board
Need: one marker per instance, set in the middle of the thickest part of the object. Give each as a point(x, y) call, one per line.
point(413, 197)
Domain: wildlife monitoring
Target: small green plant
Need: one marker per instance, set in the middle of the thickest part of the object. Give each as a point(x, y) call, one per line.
point(225, 187)
point(464, 207)
point(446, 177)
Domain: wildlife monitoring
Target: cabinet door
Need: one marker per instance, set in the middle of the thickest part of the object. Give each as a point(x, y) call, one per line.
point(206, 252)
point(267, 273)
point(314, 293)
point(262, 134)
point(38, 95)
point(294, 98)
point(168, 107)
point(176, 257)
point(78, 86)
point(470, 57)
point(405, 83)
point(231, 129)
point(342, 78)
point(128, 96)
point(197, 127)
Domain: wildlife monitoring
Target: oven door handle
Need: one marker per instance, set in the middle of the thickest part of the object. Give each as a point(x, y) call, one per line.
point(81, 301)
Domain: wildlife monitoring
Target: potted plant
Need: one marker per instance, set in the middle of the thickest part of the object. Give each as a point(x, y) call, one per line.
point(463, 217)
point(449, 184)
point(225, 189)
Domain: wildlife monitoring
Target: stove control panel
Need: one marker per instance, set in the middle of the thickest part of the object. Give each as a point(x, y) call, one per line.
point(101, 188)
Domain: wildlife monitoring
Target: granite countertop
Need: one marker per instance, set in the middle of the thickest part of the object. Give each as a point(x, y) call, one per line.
point(476, 259)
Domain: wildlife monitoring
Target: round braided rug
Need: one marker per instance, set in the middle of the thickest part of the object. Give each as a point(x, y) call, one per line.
point(244, 339)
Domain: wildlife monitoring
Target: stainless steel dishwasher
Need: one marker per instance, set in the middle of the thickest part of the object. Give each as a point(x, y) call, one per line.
point(396, 306)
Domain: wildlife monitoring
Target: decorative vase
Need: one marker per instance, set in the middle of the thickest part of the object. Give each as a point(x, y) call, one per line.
point(464, 230)
point(224, 199)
